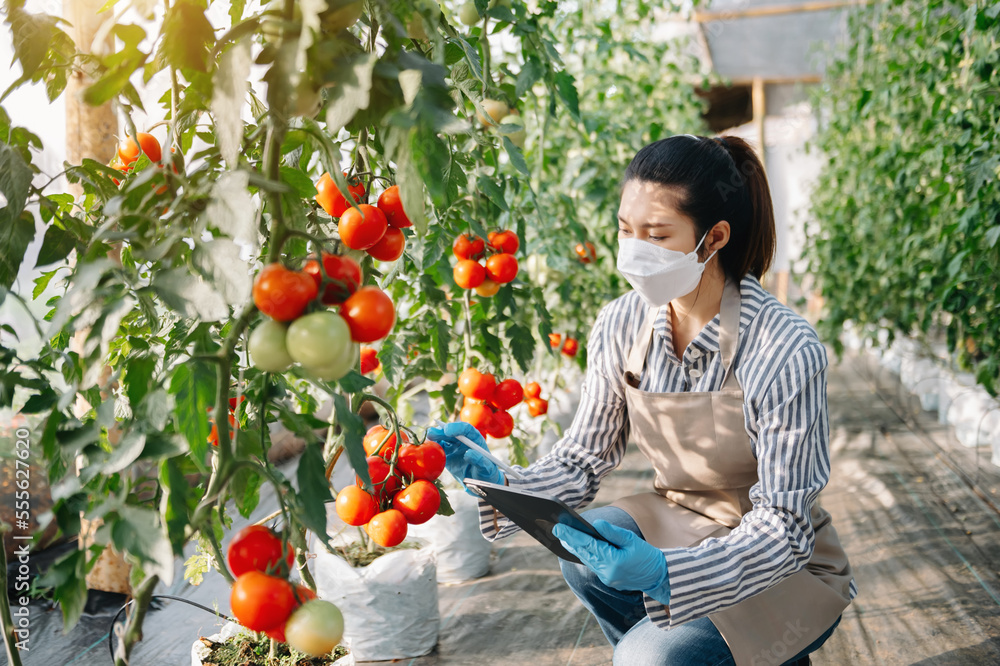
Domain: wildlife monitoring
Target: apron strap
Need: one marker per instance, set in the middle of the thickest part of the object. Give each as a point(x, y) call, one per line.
point(729, 328)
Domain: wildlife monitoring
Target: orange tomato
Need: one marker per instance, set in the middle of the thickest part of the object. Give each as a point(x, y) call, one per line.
point(390, 204)
point(468, 274)
point(467, 246)
point(388, 528)
point(362, 227)
point(501, 268)
point(391, 247)
point(476, 385)
point(369, 314)
point(330, 198)
point(128, 150)
point(488, 288)
point(356, 506)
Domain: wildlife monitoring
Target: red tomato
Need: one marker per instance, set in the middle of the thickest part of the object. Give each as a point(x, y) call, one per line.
point(391, 247)
point(344, 275)
point(468, 274)
point(537, 406)
point(330, 198)
point(283, 294)
point(503, 424)
point(476, 385)
point(355, 506)
point(507, 394)
point(369, 360)
point(532, 390)
point(392, 206)
point(385, 485)
point(467, 246)
point(479, 417)
point(506, 241)
point(380, 441)
point(388, 528)
point(418, 502)
point(501, 268)
point(257, 548)
point(586, 252)
point(261, 602)
point(128, 151)
point(555, 339)
point(571, 347)
point(361, 230)
point(425, 461)
point(369, 313)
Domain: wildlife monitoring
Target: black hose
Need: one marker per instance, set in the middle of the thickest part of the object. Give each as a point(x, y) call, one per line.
point(111, 631)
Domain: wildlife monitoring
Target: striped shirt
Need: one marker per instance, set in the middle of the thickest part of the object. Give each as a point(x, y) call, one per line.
point(781, 366)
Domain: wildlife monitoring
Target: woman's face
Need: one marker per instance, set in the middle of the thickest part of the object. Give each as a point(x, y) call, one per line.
point(647, 212)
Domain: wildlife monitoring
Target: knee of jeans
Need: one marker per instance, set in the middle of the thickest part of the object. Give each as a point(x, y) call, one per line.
point(577, 576)
point(633, 651)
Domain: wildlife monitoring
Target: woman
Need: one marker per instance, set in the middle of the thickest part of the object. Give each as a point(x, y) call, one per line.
point(729, 559)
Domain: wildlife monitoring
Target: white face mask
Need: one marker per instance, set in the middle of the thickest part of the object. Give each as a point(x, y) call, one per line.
point(658, 274)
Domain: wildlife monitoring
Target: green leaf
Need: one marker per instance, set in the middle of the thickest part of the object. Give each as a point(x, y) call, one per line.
point(566, 88)
point(138, 377)
point(353, 431)
point(40, 402)
point(355, 382)
point(522, 345)
point(67, 578)
point(17, 227)
point(42, 282)
point(440, 337)
point(314, 489)
point(300, 182)
point(351, 91)
point(488, 187)
point(992, 235)
point(530, 73)
point(193, 387)
point(56, 246)
point(114, 81)
point(188, 37)
point(137, 531)
point(516, 156)
point(126, 452)
point(245, 489)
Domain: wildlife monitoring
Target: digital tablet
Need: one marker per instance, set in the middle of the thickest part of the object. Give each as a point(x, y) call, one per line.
point(535, 513)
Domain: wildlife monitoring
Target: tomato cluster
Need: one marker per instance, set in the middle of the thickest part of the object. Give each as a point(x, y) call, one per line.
point(128, 152)
point(263, 599)
point(500, 267)
point(324, 342)
point(487, 402)
point(586, 252)
point(537, 406)
point(375, 229)
point(213, 435)
point(568, 348)
point(403, 484)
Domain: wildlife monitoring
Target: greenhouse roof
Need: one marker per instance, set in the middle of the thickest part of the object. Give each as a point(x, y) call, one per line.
point(772, 39)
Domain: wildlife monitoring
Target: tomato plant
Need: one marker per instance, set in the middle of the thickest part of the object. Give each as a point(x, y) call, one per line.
point(159, 293)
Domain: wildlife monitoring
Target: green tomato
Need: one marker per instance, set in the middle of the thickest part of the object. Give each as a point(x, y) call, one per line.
point(267, 347)
point(334, 371)
point(319, 339)
point(468, 14)
point(315, 628)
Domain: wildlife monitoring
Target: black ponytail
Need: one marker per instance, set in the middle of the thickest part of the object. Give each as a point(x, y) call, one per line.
point(717, 179)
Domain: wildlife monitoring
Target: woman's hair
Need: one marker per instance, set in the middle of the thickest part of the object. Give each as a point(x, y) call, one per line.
point(716, 179)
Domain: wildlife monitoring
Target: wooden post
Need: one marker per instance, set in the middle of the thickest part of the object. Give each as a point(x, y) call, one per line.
point(90, 133)
point(90, 130)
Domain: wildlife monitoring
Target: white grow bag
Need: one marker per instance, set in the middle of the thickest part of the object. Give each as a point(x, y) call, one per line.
point(390, 607)
point(460, 549)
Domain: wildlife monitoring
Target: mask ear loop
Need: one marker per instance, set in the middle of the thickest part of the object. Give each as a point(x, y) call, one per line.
point(695, 251)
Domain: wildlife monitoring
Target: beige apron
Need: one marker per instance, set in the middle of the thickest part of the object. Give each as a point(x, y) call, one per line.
point(699, 448)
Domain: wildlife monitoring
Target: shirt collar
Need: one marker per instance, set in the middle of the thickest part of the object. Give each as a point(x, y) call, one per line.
point(707, 340)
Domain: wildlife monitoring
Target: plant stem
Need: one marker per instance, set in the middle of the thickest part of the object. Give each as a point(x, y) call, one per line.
point(133, 628)
point(217, 554)
point(13, 656)
point(304, 573)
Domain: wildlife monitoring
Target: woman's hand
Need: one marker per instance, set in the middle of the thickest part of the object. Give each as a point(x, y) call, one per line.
point(627, 563)
point(463, 461)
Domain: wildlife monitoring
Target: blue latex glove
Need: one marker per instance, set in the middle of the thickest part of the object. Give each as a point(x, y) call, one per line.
point(627, 563)
point(461, 460)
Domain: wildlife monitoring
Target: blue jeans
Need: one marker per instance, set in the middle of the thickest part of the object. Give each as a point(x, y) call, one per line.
point(637, 641)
